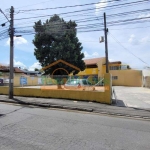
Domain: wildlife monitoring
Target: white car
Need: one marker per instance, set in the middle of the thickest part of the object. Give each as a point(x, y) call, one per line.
point(77, 83)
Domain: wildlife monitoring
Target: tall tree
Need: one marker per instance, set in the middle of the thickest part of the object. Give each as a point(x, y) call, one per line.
point(57, 39)
point(36, 69)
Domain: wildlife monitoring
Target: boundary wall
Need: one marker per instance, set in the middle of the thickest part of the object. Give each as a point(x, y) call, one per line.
point(98, 96)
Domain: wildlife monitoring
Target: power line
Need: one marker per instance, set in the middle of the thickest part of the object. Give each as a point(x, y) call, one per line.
point(108, 16)
point(69, 6)
point(28, 32)
point(3, 38)
point(4, 15)
point(112, 15)
point(112, 23)
point(130, 23)
point(129, 28)
point(128, 50)
point(34, 4)
point(86, 9)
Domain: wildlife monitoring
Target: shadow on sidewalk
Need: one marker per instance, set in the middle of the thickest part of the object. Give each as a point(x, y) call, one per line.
point(22, 102)
point(119, 103)
point(18, 101)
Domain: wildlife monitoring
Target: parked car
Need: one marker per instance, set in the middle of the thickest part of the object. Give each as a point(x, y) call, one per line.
point(77, 83)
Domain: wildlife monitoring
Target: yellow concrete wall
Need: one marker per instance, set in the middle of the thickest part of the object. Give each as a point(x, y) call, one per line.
point(127, 77)
point(31, 81)
point(4, 90)
point(98, 96)
point(104, 67)
point(89, 71)
point(102, 97)
point(92, 71)
point(18, 74)
point(101, 71)
point(108, 86)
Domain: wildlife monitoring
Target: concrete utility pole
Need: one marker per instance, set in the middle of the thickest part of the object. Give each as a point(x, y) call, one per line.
point(106, 45)
point(11, 68)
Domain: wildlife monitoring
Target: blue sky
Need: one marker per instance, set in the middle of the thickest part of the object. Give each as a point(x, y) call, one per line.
point(128, 43)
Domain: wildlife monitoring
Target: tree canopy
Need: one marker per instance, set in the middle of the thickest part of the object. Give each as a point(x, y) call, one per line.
point(57, 39)
point(36, 69)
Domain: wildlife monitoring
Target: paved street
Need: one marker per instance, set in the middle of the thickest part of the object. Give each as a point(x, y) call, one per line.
point(30, 128)
point(137, 97)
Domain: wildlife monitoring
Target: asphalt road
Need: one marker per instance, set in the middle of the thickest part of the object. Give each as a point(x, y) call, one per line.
point(29, 128)
point(137, 97)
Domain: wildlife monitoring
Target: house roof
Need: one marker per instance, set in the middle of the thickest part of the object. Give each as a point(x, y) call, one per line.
point(33, 72)
point(114, 62)
point(6, 69)
point(17, 70)
point(93, 61)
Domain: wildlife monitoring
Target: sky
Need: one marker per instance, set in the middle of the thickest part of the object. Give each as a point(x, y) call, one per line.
point(128, 42)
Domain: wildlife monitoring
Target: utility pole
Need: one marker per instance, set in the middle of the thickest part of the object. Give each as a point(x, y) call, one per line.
point(11, 67)
point(106, 45)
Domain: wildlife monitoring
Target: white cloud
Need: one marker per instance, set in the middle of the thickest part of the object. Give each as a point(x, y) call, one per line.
point(133, 40)
point(94, 55)
point(145, 39)
point(35, 65)
point(19, 64)
point(100, 6)
point(111, 60)
point(18, 41)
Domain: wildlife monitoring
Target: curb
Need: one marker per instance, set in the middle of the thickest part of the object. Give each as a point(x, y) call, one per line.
point(79, 109)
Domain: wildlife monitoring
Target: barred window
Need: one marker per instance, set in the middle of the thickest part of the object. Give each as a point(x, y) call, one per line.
point(114, 67)
point(114, 77)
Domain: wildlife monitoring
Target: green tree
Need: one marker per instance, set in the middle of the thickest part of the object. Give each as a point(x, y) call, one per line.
point(36, 69)
point(57, 39)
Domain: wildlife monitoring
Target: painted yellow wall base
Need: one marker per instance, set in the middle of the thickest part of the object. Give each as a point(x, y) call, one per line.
point(101, 97)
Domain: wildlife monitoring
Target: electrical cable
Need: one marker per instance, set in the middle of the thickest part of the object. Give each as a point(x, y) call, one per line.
point(80, 10)
point(112, 23)
point(128, 50)
point(34, 4)
point(115, 15)
point(69, 6)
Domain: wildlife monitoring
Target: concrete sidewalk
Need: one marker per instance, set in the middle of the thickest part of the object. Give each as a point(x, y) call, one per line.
point(80, 106)
point(137, 97)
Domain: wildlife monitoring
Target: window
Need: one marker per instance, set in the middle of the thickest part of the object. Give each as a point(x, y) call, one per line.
point(124, 67)
point(114, 67)
point(114, 77)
